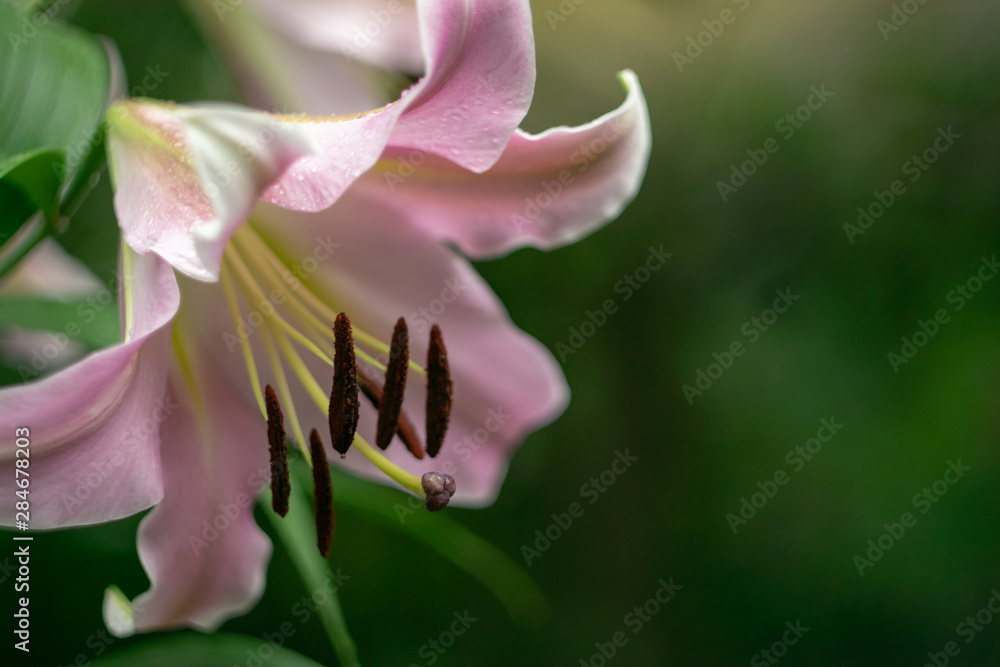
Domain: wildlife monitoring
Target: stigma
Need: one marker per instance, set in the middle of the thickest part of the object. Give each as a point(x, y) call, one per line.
point(301, 322)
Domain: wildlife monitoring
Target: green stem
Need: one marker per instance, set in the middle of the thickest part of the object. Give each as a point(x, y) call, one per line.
point(84, 180)
point(297, 533)
point(36, 231)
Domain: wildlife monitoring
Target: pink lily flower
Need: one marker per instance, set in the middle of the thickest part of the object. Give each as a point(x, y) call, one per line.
point(245, 233)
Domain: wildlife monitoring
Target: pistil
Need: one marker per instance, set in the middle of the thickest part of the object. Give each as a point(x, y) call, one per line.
point(253, 271)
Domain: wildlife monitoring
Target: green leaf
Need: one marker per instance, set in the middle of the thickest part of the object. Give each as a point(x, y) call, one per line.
point(298, 535)
point(53, 87)
point(36, 175)
point(494, 569)
point(95, 326)
point(197, 650)
point(16, 207)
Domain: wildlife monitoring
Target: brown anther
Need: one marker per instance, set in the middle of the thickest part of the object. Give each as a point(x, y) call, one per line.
point(344, 397)
point(324, 494)
point(438, 392)
point(439, 488)
point(281, 487)
point(404, 429)
point(391, 404)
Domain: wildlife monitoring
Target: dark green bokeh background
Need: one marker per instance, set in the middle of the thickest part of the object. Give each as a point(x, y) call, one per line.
point(826, 357)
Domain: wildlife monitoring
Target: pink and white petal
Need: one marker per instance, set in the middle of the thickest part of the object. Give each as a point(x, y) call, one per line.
point(205, 556)
point(94, 427)
point(506, 383)
point(383, 34)
point(345, 147)
point(347, 87)
point(187, 177)
point(277, 72)
point(546, 190)
point(479, 78)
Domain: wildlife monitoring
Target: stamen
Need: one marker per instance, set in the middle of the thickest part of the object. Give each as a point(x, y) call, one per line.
point(281, 487)
point(234, 310)
point(438, 392)
point(395, 385)
point(404, 429)
point(247, 280)
point(258, 273)
point(439, 488)
point(300, 300)
point(324, 494)
point(283, 390)
point(344, 405)
point(403, 478)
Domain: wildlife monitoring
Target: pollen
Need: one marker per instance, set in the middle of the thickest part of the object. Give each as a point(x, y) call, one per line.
point(343, 410)
point(280, 486)
point(281, 317)
point(439, 391)
point(391, 404)
point(323, 492)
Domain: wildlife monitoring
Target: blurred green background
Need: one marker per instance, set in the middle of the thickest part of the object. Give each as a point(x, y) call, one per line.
point(826, 357)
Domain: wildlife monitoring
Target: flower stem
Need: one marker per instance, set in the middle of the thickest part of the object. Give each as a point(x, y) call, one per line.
point(31, 234)
point(297, 534)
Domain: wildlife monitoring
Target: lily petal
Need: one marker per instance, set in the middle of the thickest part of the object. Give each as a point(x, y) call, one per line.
point(346, 146)
point(202, 550)
point(93, 428)
point(546, 190)
point(385, 35)
point(187, 177)
point(478, 82)
point(480, 64)
point(506, 384)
